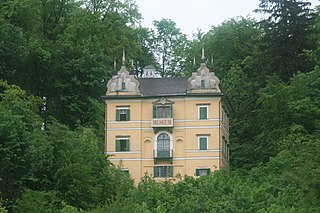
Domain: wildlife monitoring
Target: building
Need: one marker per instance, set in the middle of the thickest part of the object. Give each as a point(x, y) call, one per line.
point(166, 126)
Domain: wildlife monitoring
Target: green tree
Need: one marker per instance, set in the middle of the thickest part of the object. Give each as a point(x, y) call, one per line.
point(170, 45)
point(288, 31)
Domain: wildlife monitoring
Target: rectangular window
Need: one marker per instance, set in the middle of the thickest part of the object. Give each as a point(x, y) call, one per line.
point(122, 114)
point(123, 86)
point(125, 171)
point(203, 142)
point(163, 171)
point(122, 145)
point(203, 84)
point(202, 172)
point(203, 112)
point(162, 111)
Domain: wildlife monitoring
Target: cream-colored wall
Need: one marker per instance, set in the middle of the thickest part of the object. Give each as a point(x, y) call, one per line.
point(186, 154)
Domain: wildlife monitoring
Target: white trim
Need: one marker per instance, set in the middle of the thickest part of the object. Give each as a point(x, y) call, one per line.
point(124, 129)
point(197, 127)
point(120, 107)
point(177, 159)
point(117, 122)
point(156, 136)
point(123, 152)
point(122, 138)
point(197, 150)
point(203, 136)
point(203, 106)
point(123, 101)
point(197, 158)
point(128, 100)
point(150, 129)
point(175, 121)
point(132, 159)
point(196, 120)
point(201, 98)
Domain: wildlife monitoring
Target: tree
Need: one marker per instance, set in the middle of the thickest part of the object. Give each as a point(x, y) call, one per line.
point(170, 44)
point(287, 36)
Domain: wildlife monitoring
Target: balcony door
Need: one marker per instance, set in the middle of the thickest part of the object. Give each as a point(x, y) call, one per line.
point(163, 145)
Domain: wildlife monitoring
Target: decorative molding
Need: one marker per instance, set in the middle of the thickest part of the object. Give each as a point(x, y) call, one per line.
point(163, 101)
point(131, 84)
point(203, 81)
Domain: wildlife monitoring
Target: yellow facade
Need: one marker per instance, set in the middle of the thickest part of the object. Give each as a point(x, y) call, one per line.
point(142, 144)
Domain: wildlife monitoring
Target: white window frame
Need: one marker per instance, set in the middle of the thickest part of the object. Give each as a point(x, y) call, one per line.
point(200, 106)
point(122, 138)
point(203, 136)
point(156, 139)
point(122, 108)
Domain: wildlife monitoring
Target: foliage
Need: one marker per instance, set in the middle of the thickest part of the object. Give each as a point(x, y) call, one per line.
point(287, 36)
point(65, 50)
point(170, 45)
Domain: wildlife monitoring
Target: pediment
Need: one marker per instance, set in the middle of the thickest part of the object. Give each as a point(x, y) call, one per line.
point(163, 101)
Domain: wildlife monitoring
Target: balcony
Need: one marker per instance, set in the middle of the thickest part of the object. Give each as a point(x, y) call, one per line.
point(162, 122)
point(162, 155)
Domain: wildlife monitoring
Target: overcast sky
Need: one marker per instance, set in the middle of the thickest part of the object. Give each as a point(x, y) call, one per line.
point(190, 15)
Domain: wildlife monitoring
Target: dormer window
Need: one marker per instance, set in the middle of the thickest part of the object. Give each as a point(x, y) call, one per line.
point(203, 86)
point(123, 86)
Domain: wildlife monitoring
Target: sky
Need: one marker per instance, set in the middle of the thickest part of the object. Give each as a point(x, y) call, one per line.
point(191, 15)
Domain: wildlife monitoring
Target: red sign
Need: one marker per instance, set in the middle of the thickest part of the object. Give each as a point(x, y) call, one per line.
point(162, 122)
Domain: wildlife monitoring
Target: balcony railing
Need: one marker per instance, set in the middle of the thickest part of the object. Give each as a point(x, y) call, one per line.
point(162, 154)
point(162, 122)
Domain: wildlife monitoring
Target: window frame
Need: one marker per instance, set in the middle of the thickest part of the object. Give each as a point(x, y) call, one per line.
point(198, 170)
point(118, 144)
point(199, 142)
point(155, 111)
point(123, 86)
point(118, 114)
point(169, 171)
point(199, 112)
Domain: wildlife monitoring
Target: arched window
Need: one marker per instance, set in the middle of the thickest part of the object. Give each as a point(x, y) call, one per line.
point(163, 142)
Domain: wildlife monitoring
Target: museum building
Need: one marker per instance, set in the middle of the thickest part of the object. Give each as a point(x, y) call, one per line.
point(166, 127)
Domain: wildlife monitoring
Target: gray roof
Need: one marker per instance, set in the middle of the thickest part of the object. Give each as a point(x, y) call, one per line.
point(163, 86)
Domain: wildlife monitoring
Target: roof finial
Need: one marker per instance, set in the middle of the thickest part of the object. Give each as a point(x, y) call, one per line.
point(124, 57)
point(194, 63)
point(203, 58)
point(114, 66)
point(132, 68)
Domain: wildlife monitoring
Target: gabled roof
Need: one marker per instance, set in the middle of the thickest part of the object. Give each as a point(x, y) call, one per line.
point(163, 86)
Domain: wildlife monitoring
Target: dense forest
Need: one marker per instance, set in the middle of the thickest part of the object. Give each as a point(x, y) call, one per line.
point(56, 57)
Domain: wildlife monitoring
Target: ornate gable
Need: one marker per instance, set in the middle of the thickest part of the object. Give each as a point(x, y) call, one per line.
point(123, 82)
point(163, 101)
point(203, 81)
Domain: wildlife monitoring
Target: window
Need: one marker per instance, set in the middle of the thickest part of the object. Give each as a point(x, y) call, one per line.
point(203, 84)
point(163, 145)
point(122, 145)
point(162, 111)
point(125, 171)
point(202, 172)
point(203, 142)
point(123, 114)
point(123, 86)
point(203, 112)
point(163, 171)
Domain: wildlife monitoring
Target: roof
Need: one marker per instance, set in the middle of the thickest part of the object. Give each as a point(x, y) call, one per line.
point(163, 86)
